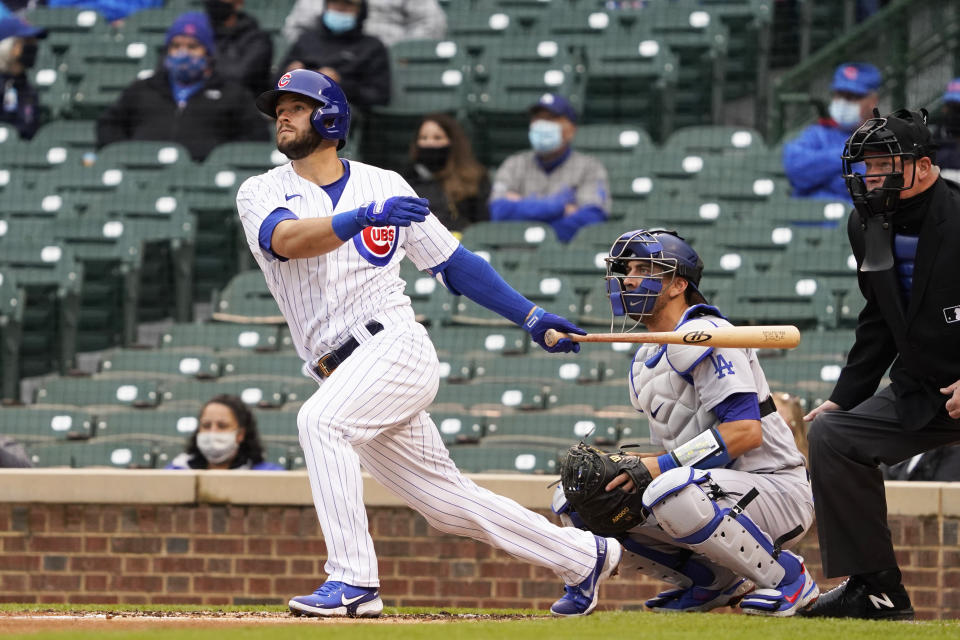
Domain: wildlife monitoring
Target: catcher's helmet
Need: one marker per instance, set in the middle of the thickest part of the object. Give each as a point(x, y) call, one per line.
point(331, 118)
point(664, 249)
point(902, 134)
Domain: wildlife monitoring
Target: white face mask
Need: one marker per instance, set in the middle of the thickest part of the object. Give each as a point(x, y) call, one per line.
point(845, 113)
point(545, 136)
point(218, 446)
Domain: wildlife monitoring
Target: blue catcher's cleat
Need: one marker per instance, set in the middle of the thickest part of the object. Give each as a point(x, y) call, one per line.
point(581, 600)
point(695, 598)
point(786, 599)
point(339, 599)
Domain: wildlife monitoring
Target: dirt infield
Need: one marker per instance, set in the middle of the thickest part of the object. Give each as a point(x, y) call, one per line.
point(14, 622)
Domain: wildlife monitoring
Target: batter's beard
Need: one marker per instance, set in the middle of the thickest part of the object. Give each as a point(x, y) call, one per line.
point(302, 145)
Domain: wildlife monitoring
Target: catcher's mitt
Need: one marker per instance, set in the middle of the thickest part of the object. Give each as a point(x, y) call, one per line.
point(584, 474)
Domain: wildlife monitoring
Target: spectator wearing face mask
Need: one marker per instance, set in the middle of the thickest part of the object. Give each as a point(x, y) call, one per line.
point(18, 52)
point(186, 101)
point(244, 50)
point(390, 21)
point(226, 438)
point(444, 170)
point(948, 134)
point(337, 48)
point(812, 160)
point(552, 183)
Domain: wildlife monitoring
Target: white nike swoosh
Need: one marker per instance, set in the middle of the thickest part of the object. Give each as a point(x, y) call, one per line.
point(349, 601)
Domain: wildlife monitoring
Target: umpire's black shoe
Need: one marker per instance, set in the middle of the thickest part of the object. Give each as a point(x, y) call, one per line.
point(855, 598)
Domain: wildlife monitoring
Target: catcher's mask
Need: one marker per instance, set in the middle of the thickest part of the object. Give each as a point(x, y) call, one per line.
point(879, 148)
point(666, 255)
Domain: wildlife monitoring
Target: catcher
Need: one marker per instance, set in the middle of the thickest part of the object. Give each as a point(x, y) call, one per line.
point(712, 513)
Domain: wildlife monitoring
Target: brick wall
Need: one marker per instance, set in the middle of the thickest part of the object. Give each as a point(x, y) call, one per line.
point(239, 554)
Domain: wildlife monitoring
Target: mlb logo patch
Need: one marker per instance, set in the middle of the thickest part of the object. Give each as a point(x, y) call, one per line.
point(952, 314)
point(377, 244)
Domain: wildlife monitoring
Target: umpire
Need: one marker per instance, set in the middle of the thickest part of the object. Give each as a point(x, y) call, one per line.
point(904, 232)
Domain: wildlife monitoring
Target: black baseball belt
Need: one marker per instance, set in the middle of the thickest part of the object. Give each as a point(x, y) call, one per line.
point(328, 362)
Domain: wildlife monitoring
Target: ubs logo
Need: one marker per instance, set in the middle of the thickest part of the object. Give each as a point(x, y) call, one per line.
point(377, 244)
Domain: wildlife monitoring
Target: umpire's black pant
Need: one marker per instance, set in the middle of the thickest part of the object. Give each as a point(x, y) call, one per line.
point(846, 448)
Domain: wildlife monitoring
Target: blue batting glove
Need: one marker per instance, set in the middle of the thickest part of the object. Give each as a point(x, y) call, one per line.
point(398, 211)
point(539, 321)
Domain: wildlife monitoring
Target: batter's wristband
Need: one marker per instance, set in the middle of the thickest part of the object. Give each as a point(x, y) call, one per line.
point(345, 225)
point(533, 318)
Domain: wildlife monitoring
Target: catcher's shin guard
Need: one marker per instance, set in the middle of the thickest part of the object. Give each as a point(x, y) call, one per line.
point(726, 536)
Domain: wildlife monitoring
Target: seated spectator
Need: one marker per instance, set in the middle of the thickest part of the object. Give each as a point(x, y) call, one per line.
point(444, 170)
point(812, 160)
point(113, 10)
point(226, 438)
point(244, 50)
point(390, 21)
point(186, 101)
point(552, 183)
point(337, 48)
point(12, 454)
point(18, 52)
point(948, 134)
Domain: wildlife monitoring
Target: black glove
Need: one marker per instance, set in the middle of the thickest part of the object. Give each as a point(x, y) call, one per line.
point(585, 472)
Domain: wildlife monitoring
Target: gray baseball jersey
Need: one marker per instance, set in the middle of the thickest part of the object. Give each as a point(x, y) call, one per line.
point(678, 386)
point(521, 173)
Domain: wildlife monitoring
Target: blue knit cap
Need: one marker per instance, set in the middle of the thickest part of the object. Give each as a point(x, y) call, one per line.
point(196, 25)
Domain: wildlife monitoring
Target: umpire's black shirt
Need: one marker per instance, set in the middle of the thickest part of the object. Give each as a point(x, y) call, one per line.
point(923, 339)
point(223, 111)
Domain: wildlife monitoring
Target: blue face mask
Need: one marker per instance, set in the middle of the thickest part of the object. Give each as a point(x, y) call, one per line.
point(545, 136)
point(184, 68)
point(845, 113)
point(338, 21)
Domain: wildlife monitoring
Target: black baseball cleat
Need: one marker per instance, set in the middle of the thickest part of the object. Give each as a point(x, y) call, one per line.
point(854, 598)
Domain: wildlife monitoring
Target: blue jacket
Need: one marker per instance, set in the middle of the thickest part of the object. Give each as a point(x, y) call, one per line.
point(812, 162)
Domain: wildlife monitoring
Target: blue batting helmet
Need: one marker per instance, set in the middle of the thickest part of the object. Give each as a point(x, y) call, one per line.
point(664, 249)
point(331, 118)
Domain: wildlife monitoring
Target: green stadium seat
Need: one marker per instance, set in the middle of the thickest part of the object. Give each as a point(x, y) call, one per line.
point(159, 427)
point(66, 25)
point(143, 154)
point(458, 428)
point(220, 336)
point(610, 398)
point(609, 141)
point(493, 398)
point(167, 365)
point(12, 301)
point(506, 235)
point(716, 140)
point(105, 394)
point(544, 370)
point(465, 340)
point(101, 85)
point(455, 369)
point(246, 298)
point(820, 214)
point(547, 291)
point(771, 298)
point(482, 26)
point(277, 426)
point(550, 430)
point(255, 157)
point(511, 459)
point(30, 425)
point(261, 392)
point(285, 366)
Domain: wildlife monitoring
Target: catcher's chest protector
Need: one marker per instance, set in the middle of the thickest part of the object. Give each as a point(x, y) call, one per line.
point(670, 402)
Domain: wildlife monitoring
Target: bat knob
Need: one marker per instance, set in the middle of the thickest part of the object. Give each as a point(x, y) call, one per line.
point(551, 337)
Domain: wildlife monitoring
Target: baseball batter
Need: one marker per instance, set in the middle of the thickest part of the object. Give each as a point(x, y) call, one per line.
point(730, 489)
point(329, 235)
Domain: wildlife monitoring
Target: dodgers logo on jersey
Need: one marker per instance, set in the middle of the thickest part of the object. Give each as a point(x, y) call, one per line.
point(377, 244)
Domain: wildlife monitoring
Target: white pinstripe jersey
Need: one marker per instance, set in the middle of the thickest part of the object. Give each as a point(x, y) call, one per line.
point(323, 298)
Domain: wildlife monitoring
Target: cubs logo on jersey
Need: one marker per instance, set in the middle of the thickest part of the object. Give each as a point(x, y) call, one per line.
point(377, 244)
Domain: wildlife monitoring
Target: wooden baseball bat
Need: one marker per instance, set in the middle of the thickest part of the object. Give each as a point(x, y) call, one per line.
point(784, 336)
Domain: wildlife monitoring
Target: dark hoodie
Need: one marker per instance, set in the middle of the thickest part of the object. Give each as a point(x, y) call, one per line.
point(244, 53)
point(361, 60)
point(223, 111)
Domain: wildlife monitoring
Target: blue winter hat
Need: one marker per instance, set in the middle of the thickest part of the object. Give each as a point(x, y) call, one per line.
point(195, 24)
point(859, 78)
point(12, 26)
point(555, 104)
